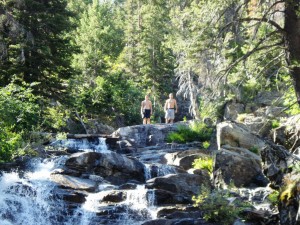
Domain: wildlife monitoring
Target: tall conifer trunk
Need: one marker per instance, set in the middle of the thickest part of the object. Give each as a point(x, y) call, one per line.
point(292, 40)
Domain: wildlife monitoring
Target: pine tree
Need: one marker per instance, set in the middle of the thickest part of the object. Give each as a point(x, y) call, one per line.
point(147, 57)
point(34, 48)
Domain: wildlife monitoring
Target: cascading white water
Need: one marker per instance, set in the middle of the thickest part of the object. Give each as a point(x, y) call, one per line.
point(30, 198)
point(136, 208)
point(157, 170)
point(98, 145)
point(141, 201)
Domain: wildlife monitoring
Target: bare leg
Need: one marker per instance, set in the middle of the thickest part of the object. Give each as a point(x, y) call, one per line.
point(144, 121)
point(148, 120)
point(171, 121)
point(167, 120)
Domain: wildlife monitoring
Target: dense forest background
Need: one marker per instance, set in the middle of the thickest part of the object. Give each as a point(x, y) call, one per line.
point(63, 62)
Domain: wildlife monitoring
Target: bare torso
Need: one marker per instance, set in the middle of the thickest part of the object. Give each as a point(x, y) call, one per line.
point(146, 104)
point(171, 103)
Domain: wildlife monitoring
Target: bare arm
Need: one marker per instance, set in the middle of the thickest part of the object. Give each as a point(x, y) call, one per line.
point(142, 105)
point(176, 106)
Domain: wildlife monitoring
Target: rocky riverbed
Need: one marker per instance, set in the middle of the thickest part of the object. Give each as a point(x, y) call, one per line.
point(141, 179)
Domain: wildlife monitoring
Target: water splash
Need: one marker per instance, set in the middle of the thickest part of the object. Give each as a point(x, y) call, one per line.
point(137, 207)
point(157, 170)
point(140, 206)
point(84, 144)
point(30, 199)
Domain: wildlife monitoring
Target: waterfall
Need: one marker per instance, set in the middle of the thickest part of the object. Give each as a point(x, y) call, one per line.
point(30, 198)
point(137, 206)
point(84, 144)
point(157, 170)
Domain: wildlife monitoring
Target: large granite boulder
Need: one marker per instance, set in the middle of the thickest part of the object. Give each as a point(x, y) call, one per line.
point(185, 184)
point(266, 98)
point(145, 135)
point(114, 167)
point(237, 135)
point(258, 125)
point(275, 112)
point(288, 134)
point(232, 110)
point(184, 159)
point(238, 166)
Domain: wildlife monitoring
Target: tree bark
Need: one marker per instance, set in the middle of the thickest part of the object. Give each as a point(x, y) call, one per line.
point(292, 41)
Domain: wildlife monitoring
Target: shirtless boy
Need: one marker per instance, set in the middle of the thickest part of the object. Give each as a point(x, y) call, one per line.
point(146, 110)
point(170, 109)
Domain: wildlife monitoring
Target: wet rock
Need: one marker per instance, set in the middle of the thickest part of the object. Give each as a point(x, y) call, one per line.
point(180, 212)
point(157, 222)
point(186, 184)
point(71, 196)
point(145, 135)
point(165, 197)
point(114, 167)
point(185, 159)
point(73, 182)
point(185, 221)
point(114, 196)
point(128, 186)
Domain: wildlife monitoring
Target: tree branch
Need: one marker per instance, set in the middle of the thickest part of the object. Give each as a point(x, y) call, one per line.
point(245, 56)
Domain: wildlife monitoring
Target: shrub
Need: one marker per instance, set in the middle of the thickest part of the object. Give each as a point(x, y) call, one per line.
point(275, 124)
point(206, 144)
point(196, 131)
point(10, 143)
point(218, 208)
point(273, 198)
point(204, 163)
point(254, 149)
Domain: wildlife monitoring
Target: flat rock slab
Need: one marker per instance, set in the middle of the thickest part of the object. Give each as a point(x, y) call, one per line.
point(74, 182)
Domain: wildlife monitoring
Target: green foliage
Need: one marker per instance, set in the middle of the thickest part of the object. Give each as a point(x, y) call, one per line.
point(241, 117)
point(254, 149)
point(274, 197)
point(290, 188)
point(196, 131)
point(55, 117)
point(204, 163)
point(214, 110)
point(113, 98)
point(10, 142)
point(289, 97)
point(19, 115)
point(145, 56)
point(35, 48)
point(275, 124)
point(19, 110)
point(206, 144)
point(295, 167)
point(218, 208)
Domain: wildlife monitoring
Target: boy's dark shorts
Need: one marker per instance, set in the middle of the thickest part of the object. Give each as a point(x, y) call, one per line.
point(147, 113)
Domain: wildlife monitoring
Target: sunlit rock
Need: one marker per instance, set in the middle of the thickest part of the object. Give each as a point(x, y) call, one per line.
point(73, 182)
point(114, 167)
